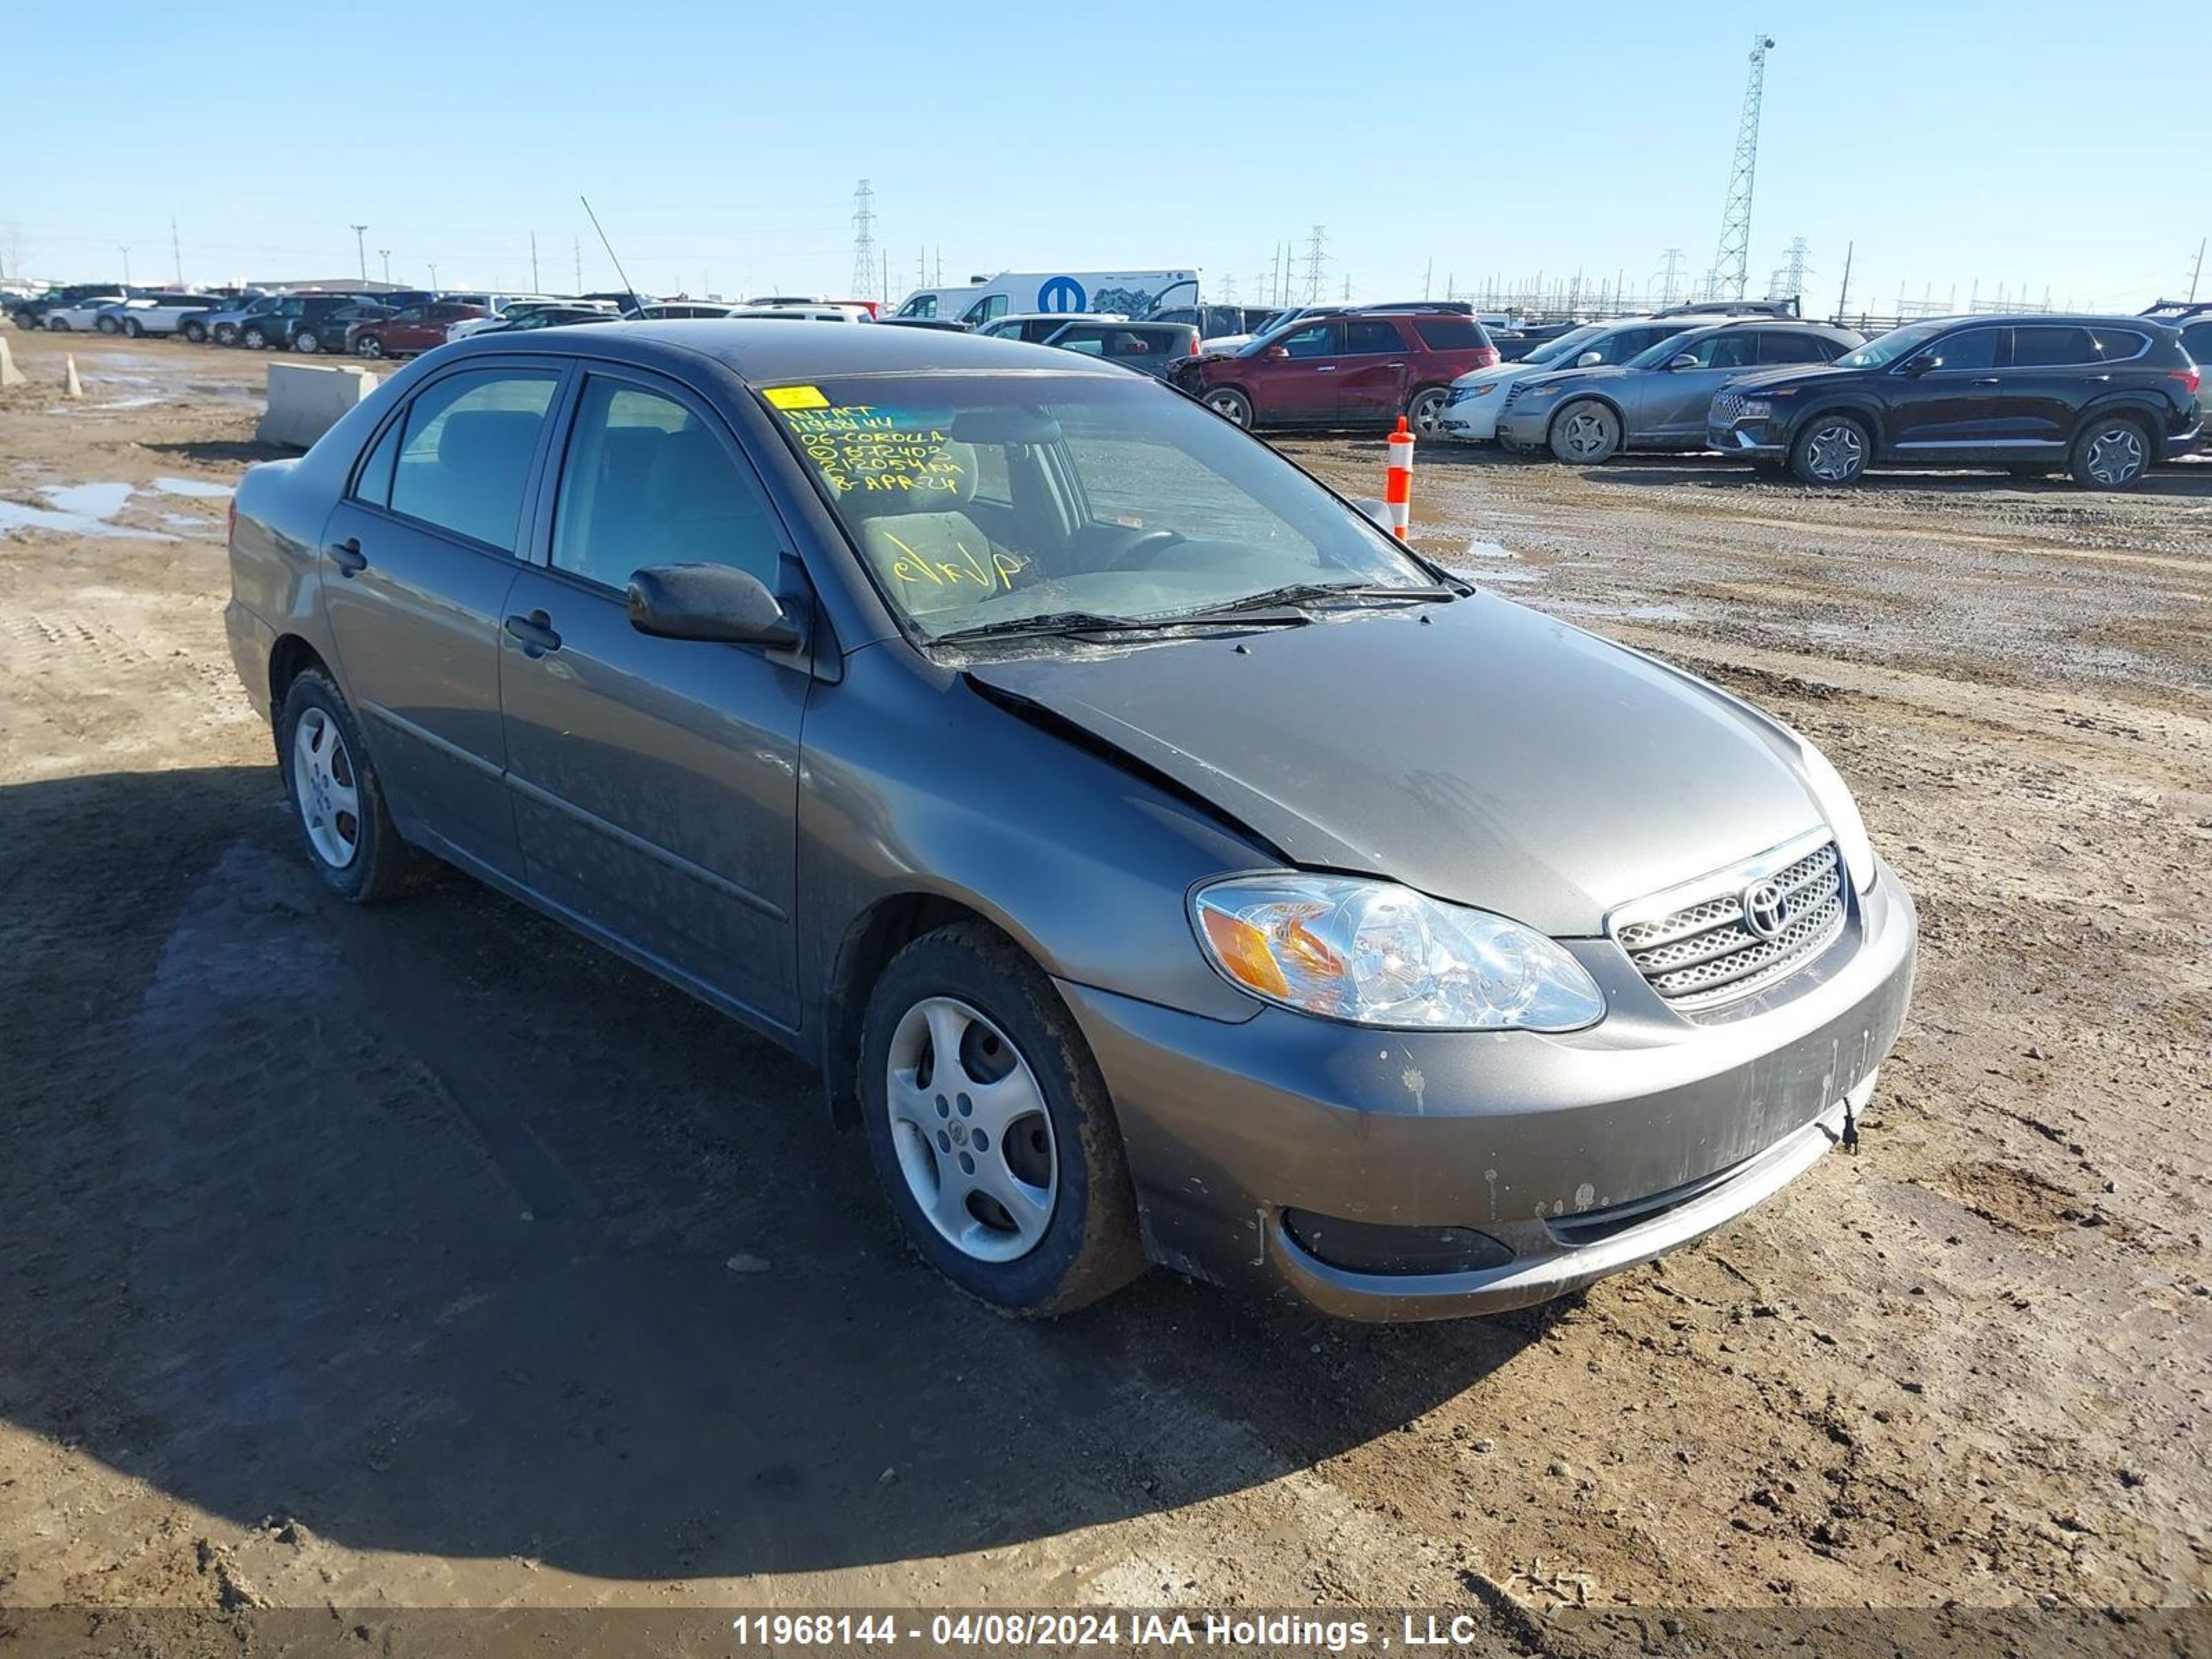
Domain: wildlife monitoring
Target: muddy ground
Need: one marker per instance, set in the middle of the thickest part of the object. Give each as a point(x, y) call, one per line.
point(428, 1256)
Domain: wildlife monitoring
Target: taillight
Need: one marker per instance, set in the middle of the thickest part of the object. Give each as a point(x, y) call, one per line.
point(1488, 357)
point(2190, 379)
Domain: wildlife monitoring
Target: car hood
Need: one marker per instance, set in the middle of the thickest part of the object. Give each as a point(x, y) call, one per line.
point(1599, 372)
point(1498, 372)
point(1491, 756)
point(1763, 380)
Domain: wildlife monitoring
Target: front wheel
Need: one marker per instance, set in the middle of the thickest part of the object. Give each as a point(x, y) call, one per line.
point(336, 796)
point(308, 341)
point(1832, 449)
point(1426, 409)
point(368, 346)
point(991, 1128)
point(2111, 454)
point(226, 334)
point(1585, 434)
point(195, 333)
point(1232, 406)
point(254, 338)
point(57, 325)
point(107, 325)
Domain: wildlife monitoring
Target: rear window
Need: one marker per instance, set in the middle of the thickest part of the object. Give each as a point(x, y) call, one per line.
point(1451, 334)
point(2114, 345)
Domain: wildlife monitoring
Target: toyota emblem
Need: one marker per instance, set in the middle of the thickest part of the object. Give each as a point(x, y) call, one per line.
point(1765, 909)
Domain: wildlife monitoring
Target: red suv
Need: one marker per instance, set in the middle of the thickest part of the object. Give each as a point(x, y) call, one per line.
point(1347, 370)
point(418, 328)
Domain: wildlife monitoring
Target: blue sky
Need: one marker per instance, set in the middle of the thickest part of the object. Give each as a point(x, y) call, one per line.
point(1956, 144)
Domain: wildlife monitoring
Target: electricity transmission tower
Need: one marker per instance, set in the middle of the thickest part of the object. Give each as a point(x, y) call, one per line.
point(1731, 263)
point(1315, 258)
point(1789, 279)
point(1670, 275)
point(865, 275)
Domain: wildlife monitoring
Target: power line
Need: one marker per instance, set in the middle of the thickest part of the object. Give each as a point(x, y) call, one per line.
point(1731, 264)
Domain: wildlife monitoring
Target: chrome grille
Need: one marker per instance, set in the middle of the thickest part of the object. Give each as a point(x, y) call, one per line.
point(1700, 953)
point(1726, 406)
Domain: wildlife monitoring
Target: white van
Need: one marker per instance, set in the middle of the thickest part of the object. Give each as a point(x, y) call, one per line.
point(1131, 293)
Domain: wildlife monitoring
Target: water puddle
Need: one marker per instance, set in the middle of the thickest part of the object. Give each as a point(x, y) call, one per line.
point(1481, 550)
point(93, 500)
point(14, 515)
point(1626, 613)
point(146, 402)
point(195, 487)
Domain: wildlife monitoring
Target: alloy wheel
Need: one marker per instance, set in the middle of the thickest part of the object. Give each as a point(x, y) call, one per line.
point(1835, 454)
point(974, 1139)
point(326, 788)
point(1588, 434)
point(1428, 409)
point(1231, 409)
point(2115, 455)
point(369, 346)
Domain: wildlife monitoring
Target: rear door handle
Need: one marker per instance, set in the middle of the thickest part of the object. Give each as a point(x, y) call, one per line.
point(536, 633)
point(1324, 368)
point(348, 557)
point(1985, 379)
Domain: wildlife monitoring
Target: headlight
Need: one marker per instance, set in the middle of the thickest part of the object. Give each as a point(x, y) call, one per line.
point(1833, 797)
point(1378, 954)
point(1547, 391)
point(1753, 408)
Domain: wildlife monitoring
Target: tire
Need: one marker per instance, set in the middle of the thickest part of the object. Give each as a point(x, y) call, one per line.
point(1832, 449)
point(133, 328)
point(56, 326)
point(1232, 405)
point(105, 324)
point(1426, 409)
point(1586, 432)
point(368, 345)
point(2113, 452)
point(196, 333)
point(344, 826)
point(308, 341)
point(226, 334)
point(936, 1150)
point(252, 339)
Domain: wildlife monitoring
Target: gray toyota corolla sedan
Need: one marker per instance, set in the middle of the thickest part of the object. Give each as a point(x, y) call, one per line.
point(1158, 859)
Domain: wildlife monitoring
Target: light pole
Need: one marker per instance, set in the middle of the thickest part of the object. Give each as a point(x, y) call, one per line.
point(385, 254)
point(434, 275)
point(126, 267)
point(361, 247)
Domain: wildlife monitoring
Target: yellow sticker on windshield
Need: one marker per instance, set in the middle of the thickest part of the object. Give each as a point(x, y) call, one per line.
point(795, 396)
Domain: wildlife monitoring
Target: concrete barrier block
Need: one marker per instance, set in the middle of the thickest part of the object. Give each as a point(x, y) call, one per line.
point(306, 401)
point(9, 374)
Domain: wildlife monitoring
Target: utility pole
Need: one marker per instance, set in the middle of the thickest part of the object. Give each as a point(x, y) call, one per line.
point(433, 274)
point(2197, 271)
point(1315, 258)
point(864, 240)
point(1844, 295)
point(177, 250)
point(1428, 274)
point(385, 254)
point(126, 267)
point(360, 248)
point(1730, 264)
point(534, 287)
point(576, 248)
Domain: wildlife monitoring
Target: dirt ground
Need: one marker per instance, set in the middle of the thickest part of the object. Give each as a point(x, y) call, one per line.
point(428, 1256)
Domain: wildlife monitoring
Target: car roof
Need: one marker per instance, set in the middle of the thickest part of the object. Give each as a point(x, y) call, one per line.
point(762, 352)
point(2049, 318)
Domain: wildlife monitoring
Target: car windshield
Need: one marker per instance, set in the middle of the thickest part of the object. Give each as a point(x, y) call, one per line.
point(984, 499)
point(1660, 353)
point(1889, 348)
point(1567, 345)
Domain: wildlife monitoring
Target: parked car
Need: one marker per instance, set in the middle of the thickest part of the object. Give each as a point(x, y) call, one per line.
point(536, 317)
point(1217, 320)
point(2194, 319)
point(1147, 347)
point(1106, 953)
point(32, 312)
point(78, 316)
point(518, 309)
point(1275, 321)
point(108, 319)
point(315, 315)
point(222, 326)
point(2105, 397)
point(662, 311)
point(1038, 326)
point(165, 313)
point(803, 313)
point(1470, 413)
point(417, 328)
point(1346, 368)
point(1658, 399)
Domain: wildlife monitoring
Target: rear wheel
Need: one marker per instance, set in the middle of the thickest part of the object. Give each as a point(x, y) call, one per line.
point(254, 337)
point(133, 327)
point(308, 341)
point(1426, 409)
point(336, 796)
point(57, 325)
point(1832, 449)
point(226, 334)
point(1232, 406)
point(196, 333)
point(2112, 453)
point(991, 1128)
point(105, 325)
point(1585, 432)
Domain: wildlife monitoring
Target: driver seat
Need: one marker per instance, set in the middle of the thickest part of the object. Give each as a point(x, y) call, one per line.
point(927, 551)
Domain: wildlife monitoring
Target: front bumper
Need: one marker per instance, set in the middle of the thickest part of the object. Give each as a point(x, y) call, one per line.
point(1578, 1154)
point(1747, 438)
point(1473, 420)
point(1527, 425)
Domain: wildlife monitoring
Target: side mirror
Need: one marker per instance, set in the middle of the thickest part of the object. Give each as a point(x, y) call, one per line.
point(709, 601)
point(1922, 364)
point(1589, 360)
point(1277, 354)
point(1687, 359)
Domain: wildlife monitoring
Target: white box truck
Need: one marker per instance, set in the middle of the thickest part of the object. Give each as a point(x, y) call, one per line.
point(1131, 293)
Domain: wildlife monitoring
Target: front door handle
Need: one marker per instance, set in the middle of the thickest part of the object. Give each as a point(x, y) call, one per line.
point(536, 633)
point(1985, 379)
point(1324, 368)
point(348, 557)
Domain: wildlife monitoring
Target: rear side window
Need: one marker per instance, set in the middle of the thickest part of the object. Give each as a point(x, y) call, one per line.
point(1374, 338)
point(465, 461)
point(2048, 347)
point(2117, 345)
point(1451, 334)
point(648, 482)
point(1782, 345)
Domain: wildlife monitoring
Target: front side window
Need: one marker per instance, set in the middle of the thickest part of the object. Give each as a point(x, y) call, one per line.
point(464, 462)
point(648, 482)
point(1732, 350)
point(1123, 500)
point(1565, 347)
point(1886, 348)
point(1320, 340)
point(1970, 348)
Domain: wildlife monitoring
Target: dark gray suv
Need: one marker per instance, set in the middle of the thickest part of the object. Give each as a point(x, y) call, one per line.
point(1158, 859)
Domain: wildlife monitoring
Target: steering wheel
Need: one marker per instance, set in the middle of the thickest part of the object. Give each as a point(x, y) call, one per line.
point(1125, 555)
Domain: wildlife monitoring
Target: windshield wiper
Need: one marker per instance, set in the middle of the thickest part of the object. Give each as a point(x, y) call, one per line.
point(1084, 622)
point(1296, 593)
